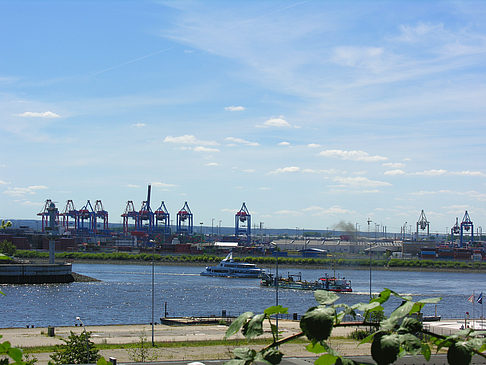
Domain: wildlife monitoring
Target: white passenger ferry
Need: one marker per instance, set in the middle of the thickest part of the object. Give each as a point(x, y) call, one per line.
point(229, 268)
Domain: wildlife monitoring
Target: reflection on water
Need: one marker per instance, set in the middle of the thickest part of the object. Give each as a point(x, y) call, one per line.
point(124, 295)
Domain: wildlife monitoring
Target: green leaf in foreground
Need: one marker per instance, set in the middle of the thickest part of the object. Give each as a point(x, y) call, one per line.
point(237, 324)
point(254, 327)
point(276, 309)
point(326, 359)
point(317, 323)
point(324, 297)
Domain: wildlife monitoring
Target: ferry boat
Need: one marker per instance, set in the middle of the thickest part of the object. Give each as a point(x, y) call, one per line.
point(229, 268)
point(294, 281)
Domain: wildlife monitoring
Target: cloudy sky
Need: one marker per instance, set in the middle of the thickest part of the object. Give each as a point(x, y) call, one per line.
point(311, 112)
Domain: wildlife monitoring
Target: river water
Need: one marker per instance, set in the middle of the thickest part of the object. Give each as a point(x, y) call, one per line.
point(124, 296)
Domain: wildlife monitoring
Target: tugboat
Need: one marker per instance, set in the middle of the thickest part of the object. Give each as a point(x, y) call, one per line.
point(231, 269)
point(294, 281)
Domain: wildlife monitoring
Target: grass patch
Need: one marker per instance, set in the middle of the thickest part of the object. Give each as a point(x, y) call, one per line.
point(178, 344)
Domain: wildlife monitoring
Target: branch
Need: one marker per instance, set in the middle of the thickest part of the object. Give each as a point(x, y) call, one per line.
point(425, 332)
point(283, 340)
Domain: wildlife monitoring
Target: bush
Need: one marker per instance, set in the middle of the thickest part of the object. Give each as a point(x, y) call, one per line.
point(78, 349)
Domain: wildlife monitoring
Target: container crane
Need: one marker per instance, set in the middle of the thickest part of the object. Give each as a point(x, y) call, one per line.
point(243, 223)
point(69, 212)
point(162, 216)
point(130, 213)
point(102, 214)
point(185, 222)
point(86, 215)
point(422, 224)
point(146, 215)
point(466, 225)
point(44, 214)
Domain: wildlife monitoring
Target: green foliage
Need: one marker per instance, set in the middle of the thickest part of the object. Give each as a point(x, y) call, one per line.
point(7, 248)
point(13, 355)
point(78, 349)
point(398, 335)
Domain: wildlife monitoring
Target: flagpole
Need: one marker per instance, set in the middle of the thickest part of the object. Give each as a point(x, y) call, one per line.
point(474, 299)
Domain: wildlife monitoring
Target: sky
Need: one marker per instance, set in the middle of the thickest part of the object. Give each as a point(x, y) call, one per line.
point(311, 112)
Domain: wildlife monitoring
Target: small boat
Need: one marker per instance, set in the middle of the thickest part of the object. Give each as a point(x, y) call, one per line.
point(294, 281)
point(231, 269)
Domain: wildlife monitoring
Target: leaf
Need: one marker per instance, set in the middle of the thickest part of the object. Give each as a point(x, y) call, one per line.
point(430, 300)
point(315, 348)
point(326, 359)
point(366, 307)
point(383, 297)
point(254, 327)
point(235, 362)
point(426, 351)
point(368, 338)
point(324, 297)
point(276, 309)
point(272, 355)
point(237, 324)
point(15, 354)
point(410, 343)
point(102, 361)
point(244, 353)
point(389, 324)
point(317, 323)
point(402, 310)
point(403, 297)
point(329, 349)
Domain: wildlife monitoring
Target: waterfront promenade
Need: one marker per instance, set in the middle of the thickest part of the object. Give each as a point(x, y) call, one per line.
point(124, 334)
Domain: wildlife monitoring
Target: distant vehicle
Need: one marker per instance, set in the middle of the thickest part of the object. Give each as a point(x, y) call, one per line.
point(231, 269)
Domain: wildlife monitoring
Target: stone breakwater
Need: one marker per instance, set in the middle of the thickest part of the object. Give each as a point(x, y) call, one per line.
point(39, 274)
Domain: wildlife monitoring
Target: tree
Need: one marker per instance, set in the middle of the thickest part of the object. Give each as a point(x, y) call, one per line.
point(7, 248)
point(78, 349)
point(398, 335)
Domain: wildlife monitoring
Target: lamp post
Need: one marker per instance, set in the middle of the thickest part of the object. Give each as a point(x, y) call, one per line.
point(369, 221)
point(86, 336)
point(276, 285)
point(153, 291)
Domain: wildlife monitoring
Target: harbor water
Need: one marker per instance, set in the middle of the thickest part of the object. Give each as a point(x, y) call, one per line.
point(124, 294)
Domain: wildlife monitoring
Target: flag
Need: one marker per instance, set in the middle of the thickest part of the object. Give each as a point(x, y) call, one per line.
point(480, 298)
point(471, 299)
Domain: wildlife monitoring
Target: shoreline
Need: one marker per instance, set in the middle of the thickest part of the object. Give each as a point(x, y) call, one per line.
point(282, 265)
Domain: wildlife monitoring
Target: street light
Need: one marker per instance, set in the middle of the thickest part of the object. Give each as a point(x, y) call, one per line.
point(369, 221)
point(86, 336)
point(153, 291)
point(276, 285)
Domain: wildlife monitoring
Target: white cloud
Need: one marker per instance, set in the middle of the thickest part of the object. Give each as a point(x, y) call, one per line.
point(361, 57)
point(284, 143)
point(19, 192)
point(352, 155)
point(235, 140)
point(469, 173)
point(294, 213)
point(278, 122)
point(132, 186)
point(162, 184)
point(3, 182)
point(417, 33)
point(319, 211)
point(313, 145)
point(205, 149)
point(282, 170)
point(433, 172)
point(234, 108)
point(249, 171)
point(264, 188)
point(394, 172)
point(359, 181)
point(139, 125)
point(188, 139)
point(47, 114)
point(211, 164)
point(393, 165)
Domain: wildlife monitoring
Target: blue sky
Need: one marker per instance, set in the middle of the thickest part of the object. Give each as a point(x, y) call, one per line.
point(311, 112)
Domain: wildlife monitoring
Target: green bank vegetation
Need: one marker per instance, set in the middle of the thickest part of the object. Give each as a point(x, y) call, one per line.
point(260, 260)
